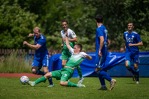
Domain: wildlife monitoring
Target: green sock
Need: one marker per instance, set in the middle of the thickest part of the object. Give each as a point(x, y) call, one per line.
point(79, 71)
point(39, 80)
point(71, 84)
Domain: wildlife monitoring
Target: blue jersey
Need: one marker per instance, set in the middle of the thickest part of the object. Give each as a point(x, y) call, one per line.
point(101, 31)
point(42, 51)
point(132, 38)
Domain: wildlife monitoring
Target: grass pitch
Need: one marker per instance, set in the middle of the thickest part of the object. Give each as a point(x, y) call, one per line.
point(11, 88)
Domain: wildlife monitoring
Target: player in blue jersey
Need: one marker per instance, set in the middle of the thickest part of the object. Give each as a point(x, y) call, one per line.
point(41, 56)
point(101, 54)
point(132, 41)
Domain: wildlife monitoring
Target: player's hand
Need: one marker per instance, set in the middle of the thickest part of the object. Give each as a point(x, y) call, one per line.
point(99, 53)
point(30, 34)
point(25, 42)
point(97, 69)
point(130, 44)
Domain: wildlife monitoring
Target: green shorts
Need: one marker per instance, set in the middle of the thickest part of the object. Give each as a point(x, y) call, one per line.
point(65, 52)
point(63, 74)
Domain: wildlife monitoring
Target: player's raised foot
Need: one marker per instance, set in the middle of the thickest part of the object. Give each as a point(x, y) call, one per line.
point(51, 85)
point(112, 84)
point(32, 83)
point(81, 80)
point(103, 88)
point(80, 85)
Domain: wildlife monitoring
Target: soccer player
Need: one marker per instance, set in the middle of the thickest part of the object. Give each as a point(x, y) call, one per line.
point(67, 71)
point(65, 52)
point(132, 41)
point(41, 56)
point(101, 54)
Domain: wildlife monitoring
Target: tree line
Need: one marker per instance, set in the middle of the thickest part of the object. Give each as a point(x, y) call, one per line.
point(19, 17)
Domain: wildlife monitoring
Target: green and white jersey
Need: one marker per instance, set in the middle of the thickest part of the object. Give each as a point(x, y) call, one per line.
point(71, 34)
point(75, 59)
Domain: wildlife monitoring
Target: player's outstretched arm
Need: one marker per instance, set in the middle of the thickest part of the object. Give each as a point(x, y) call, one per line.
point(89, 57)
point(35, 47)
point(67, 43)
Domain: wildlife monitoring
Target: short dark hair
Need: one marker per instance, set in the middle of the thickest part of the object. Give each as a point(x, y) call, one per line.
point(80, 46)
point(99, 18)
point(64, 20)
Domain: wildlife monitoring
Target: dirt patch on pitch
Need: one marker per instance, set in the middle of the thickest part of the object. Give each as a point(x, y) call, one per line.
point(11, 75)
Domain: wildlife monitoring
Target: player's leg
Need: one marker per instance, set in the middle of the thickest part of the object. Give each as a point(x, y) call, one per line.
point(128, 63)
point(45, 64)
point(136, 68)
point(102, 82)
point(45, 69)
point(64, 63)
point(41, 79)
point(36, 66)
point(64, 80)
point(81, 78)
point(136, 73)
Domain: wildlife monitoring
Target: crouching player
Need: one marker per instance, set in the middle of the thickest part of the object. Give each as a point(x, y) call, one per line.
point(66, 73)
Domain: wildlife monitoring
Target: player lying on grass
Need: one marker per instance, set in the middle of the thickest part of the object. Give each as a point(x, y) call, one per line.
point(66, 73)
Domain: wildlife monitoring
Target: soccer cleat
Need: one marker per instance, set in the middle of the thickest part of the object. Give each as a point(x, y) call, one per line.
point(103, 88)
point(112, 84)
point(137, 82)
point(51, 85)
point(80, 85)
point(81, 81)
point(31, 83)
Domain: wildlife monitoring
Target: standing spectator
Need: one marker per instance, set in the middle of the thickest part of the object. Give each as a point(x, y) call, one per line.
point(41, 56)
point(101, 54)
point(132, 41)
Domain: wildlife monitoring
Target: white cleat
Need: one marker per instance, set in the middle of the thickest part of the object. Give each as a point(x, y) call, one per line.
point(32, 83)
point(112, 84)
point(80, 85)
point(81, 81)
point(137, 82)
point(52, 85)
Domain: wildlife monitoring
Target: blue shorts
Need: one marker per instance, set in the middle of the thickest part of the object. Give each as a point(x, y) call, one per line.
point(39, 62)
point(132, 56)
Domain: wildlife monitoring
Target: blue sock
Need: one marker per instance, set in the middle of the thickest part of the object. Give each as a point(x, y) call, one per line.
point(137, 74)
point(101, 79)
point(40, 72)
point(50, 81)
point(131, 70)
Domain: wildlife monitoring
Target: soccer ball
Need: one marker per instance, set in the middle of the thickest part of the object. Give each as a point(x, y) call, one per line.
point(24, 79)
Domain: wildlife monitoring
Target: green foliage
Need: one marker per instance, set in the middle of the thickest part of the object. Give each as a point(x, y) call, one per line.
point(15, 24)
point(18, 17)
point(11, 88)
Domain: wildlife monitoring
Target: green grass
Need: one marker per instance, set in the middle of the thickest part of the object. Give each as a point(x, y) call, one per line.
point(11, 88)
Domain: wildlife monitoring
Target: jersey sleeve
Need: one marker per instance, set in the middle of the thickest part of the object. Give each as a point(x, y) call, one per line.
point(62, 34)
point(138, 38)
point(73, 34)
point(71, 50)
point(99, 32)
point(83, 54)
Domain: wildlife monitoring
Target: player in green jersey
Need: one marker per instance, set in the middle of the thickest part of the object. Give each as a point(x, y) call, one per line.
point(67, 71)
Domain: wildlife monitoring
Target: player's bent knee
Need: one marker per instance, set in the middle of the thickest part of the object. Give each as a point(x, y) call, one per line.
point(63, 83)
point(34, 71)
point(47, 75)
